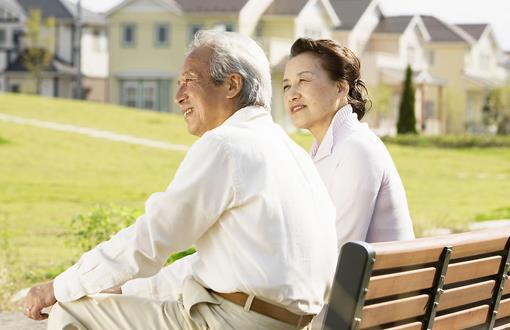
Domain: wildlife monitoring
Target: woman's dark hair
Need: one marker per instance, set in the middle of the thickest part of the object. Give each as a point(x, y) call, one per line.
point(341, 64)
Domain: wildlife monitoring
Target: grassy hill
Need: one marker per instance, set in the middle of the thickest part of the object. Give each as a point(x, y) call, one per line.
point(48, 177)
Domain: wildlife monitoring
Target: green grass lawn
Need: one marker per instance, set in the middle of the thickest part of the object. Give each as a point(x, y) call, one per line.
point(49, 177)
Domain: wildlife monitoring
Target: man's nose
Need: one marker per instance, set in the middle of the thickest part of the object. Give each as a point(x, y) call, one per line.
point(180, 96)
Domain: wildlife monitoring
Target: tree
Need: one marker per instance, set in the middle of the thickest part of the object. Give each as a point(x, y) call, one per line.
point(39, 45)
point(406, 119)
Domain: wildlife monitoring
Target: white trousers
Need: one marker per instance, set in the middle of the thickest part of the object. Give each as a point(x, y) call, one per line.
point(196, 308)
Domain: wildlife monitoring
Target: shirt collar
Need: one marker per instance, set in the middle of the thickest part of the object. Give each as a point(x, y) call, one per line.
point(342, 118)
point(246, 114)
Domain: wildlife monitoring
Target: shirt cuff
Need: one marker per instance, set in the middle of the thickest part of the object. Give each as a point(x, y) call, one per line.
point(67, 286)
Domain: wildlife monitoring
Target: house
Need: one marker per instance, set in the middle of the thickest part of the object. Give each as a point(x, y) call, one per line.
point(58, 79)
point(148, 41)
point(149, 38)
point(482, 72)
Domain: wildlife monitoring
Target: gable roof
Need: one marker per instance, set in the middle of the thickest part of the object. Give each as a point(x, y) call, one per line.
point(349, 11)
point(285, 7)
point(474, 30)
point(216, 6)
point(393, 24)
point(49, 8)
point(441, 31)
point(87, 16)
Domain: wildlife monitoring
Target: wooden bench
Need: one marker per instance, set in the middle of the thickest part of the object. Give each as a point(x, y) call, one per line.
point(447, 282)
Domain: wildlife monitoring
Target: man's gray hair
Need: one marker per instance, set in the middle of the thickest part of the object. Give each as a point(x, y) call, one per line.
point(236, 53)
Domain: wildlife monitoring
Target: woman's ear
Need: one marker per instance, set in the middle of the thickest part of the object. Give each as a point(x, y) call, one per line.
point(342, 87)
point(234, 85)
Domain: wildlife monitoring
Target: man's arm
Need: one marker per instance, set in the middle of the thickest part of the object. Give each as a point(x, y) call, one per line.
point(203, 188)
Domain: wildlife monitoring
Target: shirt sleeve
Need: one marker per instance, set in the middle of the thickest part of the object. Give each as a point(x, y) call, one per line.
point(356, 182)
point(202, 189)
point(166, 284)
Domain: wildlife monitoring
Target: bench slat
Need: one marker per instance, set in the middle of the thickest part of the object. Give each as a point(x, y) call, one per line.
point(472, 269)
point(394, 310)
point(504, 308)
point(426, 250)
point(392, 284)
point(414, 280)
point(462, 319)
point(409, 326)
point(466, 294)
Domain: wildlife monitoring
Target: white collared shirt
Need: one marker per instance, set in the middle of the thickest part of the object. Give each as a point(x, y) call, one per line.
point(362, 181)
point(254, 206)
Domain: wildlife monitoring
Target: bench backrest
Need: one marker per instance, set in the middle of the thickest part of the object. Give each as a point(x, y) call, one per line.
point(448, 282)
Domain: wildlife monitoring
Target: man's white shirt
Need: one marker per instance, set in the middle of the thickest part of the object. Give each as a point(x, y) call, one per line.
point(254, 206)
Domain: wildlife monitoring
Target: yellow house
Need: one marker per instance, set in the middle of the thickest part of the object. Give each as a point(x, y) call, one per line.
point(149, 38)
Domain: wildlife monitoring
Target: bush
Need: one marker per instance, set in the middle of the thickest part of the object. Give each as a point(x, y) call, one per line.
point(3, 141)
point(100, 224)
point(406, 119)
point(450, 141)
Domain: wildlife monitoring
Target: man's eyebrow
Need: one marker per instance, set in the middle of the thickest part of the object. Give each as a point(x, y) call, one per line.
point(306, 72)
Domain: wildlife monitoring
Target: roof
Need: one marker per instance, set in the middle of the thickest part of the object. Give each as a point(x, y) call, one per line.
point(49, 8)
point(440, 31)
point(285, 7)
point(87, 16)
point(349, 11)
point(393, 24)
point(216, 6)
point(474, 30)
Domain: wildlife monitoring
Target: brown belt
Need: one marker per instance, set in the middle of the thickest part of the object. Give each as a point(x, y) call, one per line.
point(267, 309)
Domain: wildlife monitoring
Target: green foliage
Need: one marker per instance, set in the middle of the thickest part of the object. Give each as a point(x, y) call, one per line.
point(497, 214)
point(100, 224)
point(40, 45)
point(497, 109)
point(3, 141)
point(406, 119)
point(450, 141)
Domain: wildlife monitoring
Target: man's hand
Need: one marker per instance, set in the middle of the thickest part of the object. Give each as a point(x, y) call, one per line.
point(39, 297)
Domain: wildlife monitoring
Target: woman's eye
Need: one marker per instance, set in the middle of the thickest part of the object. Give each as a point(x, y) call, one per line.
point(286, 87)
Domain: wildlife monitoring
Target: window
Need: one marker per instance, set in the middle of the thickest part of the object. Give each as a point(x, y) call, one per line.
point(16, 38)
point(149, 95)
point(130, 93)
point(128, 35)
point(193, 29)
point(161, 35)
point(2, 37)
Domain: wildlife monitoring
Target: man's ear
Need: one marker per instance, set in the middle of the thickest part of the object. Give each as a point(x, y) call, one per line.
point(235, 85)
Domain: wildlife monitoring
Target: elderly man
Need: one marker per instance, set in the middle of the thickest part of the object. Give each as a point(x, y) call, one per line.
point(245, 195)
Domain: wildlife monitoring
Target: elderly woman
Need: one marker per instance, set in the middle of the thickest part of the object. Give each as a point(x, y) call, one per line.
point(323, 93)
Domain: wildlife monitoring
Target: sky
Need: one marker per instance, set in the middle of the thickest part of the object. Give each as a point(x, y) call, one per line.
point(495, 12)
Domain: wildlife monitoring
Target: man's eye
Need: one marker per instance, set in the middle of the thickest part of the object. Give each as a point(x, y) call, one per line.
point(286, 87)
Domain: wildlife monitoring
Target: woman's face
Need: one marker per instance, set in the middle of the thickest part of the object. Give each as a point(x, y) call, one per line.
point(311, 98)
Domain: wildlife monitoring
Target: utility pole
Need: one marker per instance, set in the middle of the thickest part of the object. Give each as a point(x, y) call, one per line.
point(77, 47)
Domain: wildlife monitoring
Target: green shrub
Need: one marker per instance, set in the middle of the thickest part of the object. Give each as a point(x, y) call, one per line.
point(498, 214)
point(100, 224)
point(450, 141)
point(3, 141)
